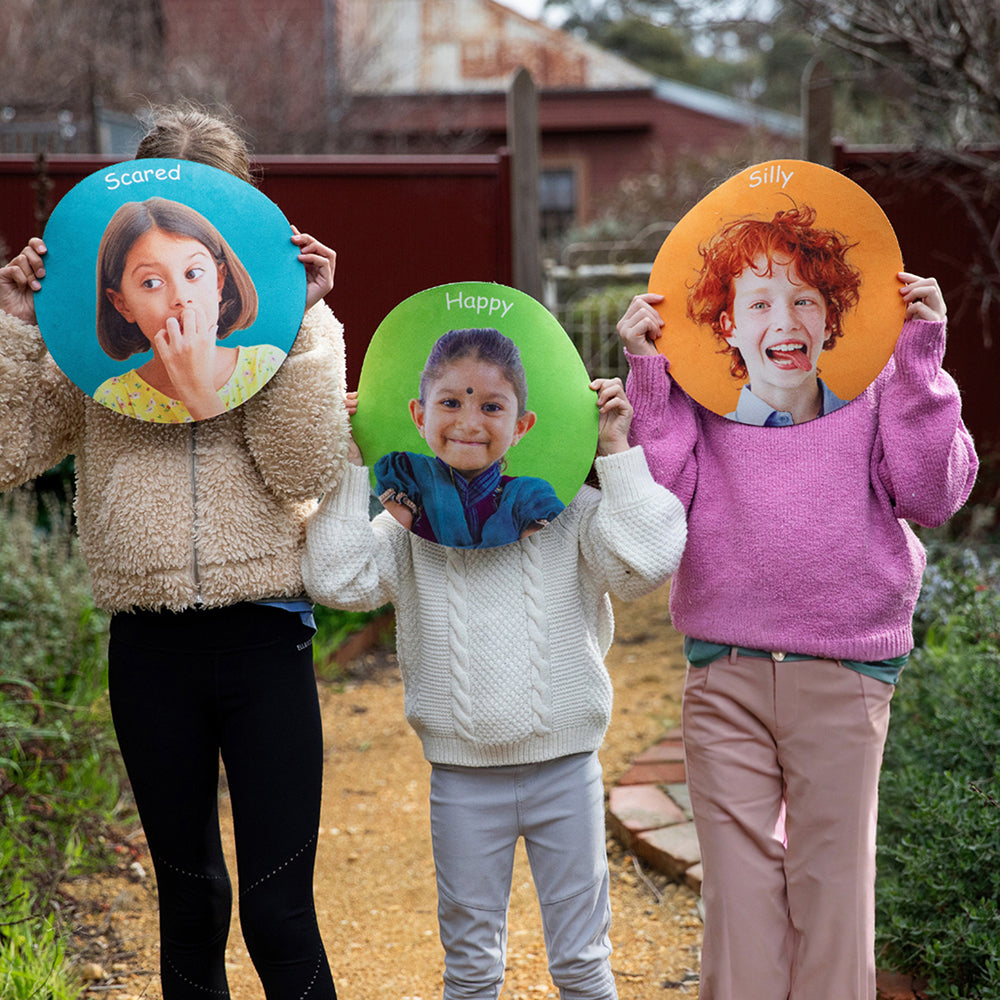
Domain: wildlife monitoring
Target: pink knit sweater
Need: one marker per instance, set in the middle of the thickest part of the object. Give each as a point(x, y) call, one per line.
point(797, 536)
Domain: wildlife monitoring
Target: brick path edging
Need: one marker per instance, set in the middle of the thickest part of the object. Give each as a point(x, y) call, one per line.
point(649, 812)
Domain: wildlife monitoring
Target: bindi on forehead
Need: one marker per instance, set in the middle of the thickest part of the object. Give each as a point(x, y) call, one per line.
point(468, 390)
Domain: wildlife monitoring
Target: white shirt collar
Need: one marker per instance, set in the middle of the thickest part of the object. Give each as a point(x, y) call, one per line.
point(751, 409)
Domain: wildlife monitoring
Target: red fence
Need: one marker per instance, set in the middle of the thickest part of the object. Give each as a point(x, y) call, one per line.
point(399, 224)
point(938, 238)
point(403, 224)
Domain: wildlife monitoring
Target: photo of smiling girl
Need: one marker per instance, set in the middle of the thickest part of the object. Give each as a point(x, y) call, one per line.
point(471, 409)
point(169, 282)
point(775, 293)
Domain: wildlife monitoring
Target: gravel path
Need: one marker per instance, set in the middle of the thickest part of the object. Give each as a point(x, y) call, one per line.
point(375, 890)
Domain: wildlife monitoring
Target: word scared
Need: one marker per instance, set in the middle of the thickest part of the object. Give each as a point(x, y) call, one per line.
point(142, 176)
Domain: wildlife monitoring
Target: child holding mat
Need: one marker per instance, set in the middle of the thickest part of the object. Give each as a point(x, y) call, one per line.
point(192, 534)
point(796, 593)
point(502, 655)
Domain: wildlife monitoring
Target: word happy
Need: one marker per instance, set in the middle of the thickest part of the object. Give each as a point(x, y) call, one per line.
point(477, 303)
point(771, 174)
point(143, 176)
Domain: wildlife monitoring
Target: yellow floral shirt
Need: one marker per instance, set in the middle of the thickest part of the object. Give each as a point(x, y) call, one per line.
point(132, 395)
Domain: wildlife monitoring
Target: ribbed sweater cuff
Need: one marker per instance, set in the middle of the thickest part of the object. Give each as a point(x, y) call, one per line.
point(624, 476)
point(920, 348)
point(648, 387)
point(351, 495)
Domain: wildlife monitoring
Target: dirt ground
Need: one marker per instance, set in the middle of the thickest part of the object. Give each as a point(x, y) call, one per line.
point(374, 884)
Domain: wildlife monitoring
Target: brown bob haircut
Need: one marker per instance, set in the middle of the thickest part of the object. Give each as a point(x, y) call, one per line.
point(238, 301)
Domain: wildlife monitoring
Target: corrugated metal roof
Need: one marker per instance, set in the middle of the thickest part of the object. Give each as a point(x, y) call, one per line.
point(709, 102)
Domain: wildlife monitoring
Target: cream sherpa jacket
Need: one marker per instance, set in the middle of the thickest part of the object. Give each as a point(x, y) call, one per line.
point(173, 516)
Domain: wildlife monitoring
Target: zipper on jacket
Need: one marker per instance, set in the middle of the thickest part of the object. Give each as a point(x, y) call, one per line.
point(194, 516)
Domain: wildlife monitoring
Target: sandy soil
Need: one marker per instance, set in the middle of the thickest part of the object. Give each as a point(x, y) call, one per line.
point(375, 891)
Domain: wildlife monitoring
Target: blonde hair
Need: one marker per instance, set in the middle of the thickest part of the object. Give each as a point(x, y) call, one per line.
point(187, 132)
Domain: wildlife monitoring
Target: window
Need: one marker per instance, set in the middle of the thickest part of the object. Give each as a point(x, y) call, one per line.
point(556, 201)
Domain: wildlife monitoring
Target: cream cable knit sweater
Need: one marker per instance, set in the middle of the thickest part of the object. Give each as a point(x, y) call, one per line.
point(502, 649)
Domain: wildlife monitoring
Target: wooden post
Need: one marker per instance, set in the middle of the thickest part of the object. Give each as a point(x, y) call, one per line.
point(817, 113)
point(331, 72)
point(522, 138)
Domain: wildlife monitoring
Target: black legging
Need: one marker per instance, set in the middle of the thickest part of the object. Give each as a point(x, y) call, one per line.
point(183, 687)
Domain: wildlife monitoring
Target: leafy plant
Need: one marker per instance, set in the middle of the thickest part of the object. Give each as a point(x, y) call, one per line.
point(939, 827)
point(32, 955)
point(47, 620)
point(60, 773)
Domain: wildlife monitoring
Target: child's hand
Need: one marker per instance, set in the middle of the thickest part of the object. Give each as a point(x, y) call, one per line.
point(923, 297)
point(400, 512)
point(320, 262)
point(641, 325)
point(616, 415)
point(186, 346)
point(353, 451)
point(20, 279)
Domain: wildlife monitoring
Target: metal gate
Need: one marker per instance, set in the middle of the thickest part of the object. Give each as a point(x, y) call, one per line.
point(590, 286)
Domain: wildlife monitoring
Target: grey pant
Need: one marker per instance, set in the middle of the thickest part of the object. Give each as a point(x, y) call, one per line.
point(477, 816)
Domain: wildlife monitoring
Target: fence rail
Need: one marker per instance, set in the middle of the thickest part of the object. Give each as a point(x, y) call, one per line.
point(589, 287)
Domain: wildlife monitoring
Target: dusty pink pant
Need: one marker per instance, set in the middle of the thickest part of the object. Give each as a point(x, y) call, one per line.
point(793, 922)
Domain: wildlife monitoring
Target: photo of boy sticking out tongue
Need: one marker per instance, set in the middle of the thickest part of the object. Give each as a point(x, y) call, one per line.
point(775, 292)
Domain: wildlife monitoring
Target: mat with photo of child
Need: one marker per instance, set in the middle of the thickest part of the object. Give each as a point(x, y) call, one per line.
point(780, 295)
point(161, 257)
point(475, 413)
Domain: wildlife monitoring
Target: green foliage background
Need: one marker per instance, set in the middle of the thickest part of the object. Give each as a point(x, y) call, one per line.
point(938, 890)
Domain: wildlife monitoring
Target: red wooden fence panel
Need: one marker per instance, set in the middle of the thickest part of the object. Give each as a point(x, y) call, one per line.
point(938, 238)
point(399, 224)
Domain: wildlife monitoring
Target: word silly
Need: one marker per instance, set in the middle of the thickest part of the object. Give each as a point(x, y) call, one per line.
point(771, 173)
point(142, 176)
point(477, 303)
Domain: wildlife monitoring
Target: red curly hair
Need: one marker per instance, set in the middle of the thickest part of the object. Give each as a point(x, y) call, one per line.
point(819, 256)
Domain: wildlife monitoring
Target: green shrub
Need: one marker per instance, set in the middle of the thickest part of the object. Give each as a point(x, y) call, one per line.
point(60, 772)
point(32, 957)
point(47, 620)
point(939, 828)
point(608, 303)
point(589, 315)
point(333, 628)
